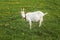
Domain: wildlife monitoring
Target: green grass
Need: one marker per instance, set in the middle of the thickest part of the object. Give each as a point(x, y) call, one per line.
point(13, 27)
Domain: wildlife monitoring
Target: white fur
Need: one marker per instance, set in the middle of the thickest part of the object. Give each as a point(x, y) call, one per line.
point(36, 16)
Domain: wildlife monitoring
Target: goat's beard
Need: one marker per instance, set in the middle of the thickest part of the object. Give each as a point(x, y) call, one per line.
point(24, 18)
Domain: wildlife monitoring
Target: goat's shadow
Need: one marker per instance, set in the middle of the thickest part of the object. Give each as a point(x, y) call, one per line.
point(40, 31)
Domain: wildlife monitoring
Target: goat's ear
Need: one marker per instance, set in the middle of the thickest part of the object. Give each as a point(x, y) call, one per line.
point(23, 9)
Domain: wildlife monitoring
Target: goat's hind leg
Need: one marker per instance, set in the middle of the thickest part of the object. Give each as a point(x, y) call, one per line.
point(40, 22)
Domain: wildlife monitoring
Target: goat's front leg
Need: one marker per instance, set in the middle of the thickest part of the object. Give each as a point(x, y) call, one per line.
point(40, 22)
point(30, 23)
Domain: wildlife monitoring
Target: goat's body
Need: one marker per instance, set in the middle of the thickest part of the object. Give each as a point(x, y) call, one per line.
point(34, 16)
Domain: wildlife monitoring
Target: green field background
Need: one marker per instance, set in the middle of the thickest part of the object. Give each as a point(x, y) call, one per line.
point(13, 27)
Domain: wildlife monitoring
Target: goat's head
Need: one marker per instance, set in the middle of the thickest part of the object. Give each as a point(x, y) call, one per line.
point(23, 13)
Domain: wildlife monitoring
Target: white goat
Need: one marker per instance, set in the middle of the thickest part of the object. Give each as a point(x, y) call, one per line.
point(36, 16)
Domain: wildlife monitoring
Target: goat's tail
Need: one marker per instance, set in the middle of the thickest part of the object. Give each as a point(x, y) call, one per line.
point(45, 13)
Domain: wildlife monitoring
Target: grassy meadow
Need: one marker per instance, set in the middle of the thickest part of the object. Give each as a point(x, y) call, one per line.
point(13, 27)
